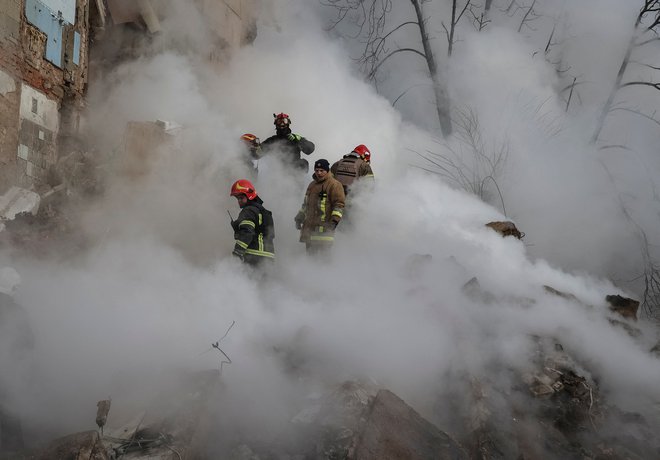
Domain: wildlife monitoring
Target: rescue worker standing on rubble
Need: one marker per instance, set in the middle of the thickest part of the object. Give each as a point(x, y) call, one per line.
point(322, 209)
point(254, 231)
point(353, 167)
point(252, 153)
point(288, 144)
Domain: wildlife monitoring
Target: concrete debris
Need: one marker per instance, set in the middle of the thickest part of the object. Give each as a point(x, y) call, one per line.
point(358, 421)
point(80, 173)
point(506, 228)
point(474, 291)
point(103, 407)
point(86, 445)
point(563, 295)
point(18, 200)
point(173, 426)
point(392, 429)
point(624, 306)
point(632, 331)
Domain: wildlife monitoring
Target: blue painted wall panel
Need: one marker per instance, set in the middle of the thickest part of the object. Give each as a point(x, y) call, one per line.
point(67, 9)
point(51, 22)
point(76, 48)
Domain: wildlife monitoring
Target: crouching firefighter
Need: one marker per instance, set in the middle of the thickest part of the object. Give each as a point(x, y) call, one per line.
point(322, 209)
point(254, 230)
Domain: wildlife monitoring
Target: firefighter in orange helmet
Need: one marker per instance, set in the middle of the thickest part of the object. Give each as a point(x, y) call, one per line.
point(252, 153)
point(254, 231)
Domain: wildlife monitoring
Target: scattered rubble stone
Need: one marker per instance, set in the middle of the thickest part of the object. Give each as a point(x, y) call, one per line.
point(86, 445)
point(563, 295)
point(630, 330)
point(506, 228)
point(624, 306)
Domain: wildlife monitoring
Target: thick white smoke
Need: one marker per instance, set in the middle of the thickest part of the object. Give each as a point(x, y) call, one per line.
point(159, 284)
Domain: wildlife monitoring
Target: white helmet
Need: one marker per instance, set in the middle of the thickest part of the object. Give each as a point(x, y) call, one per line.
point(9, 280)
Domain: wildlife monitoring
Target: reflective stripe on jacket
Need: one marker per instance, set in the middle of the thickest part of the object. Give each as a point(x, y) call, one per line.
point(322, 208)
point(254, 233)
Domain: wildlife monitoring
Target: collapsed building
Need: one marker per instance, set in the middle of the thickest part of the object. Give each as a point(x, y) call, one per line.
point(51, 51)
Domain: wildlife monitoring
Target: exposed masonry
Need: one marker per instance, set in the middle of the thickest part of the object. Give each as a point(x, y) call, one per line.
point(44, 68)
point(43, 65)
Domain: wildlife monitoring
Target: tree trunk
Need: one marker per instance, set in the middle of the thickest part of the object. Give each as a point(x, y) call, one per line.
point(439, 88)
point(617, 84)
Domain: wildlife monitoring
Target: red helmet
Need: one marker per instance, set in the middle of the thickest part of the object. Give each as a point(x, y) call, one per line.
point(282, 120)
point(243, 187)
point(364, 152)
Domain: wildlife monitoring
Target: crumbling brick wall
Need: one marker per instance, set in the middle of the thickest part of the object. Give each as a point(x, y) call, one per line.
point(27, 148)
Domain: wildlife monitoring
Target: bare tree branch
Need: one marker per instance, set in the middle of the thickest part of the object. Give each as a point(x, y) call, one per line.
point(651, 7)
point(371, 19)
point(637, 112)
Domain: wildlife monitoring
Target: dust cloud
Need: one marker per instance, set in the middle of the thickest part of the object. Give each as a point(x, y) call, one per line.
point(158, 285)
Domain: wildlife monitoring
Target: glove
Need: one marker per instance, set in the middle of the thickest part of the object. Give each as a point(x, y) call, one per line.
point(333, 224)
point(294, 137)
point(299, 219)
point(235, 253)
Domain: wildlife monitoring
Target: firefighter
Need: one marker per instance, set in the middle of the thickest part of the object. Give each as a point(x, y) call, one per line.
point(252, 153)
point(321, 210)
point(353, 167)
point(254, 230)
point(287, 144)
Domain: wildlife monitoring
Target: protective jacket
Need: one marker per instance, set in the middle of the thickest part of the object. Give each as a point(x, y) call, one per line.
point(350, 168)
point(254, 233)
point(289, 146)
point(321, 210)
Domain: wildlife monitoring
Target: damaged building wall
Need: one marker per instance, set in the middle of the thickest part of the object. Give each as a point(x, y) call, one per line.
point(232, 20)
point(37, 134)
point(44, 68)
point(9, 108)
point(43, 60)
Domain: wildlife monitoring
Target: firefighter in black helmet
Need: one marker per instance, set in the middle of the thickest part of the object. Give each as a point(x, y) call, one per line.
point(287, 144)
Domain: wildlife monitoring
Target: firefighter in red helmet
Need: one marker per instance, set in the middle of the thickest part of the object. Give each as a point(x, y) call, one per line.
point(364, 152)
point(287, 144)
point(353, 167)
point(254, 231)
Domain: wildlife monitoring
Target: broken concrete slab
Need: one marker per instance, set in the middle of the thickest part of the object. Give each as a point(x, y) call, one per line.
point(18, 200)
point(394, 430)
point(624, 306)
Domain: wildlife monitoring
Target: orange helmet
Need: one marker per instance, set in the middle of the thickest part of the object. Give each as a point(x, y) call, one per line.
point(363, 152)
point(243, 187)
point(250, 139)
point(282, 120)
